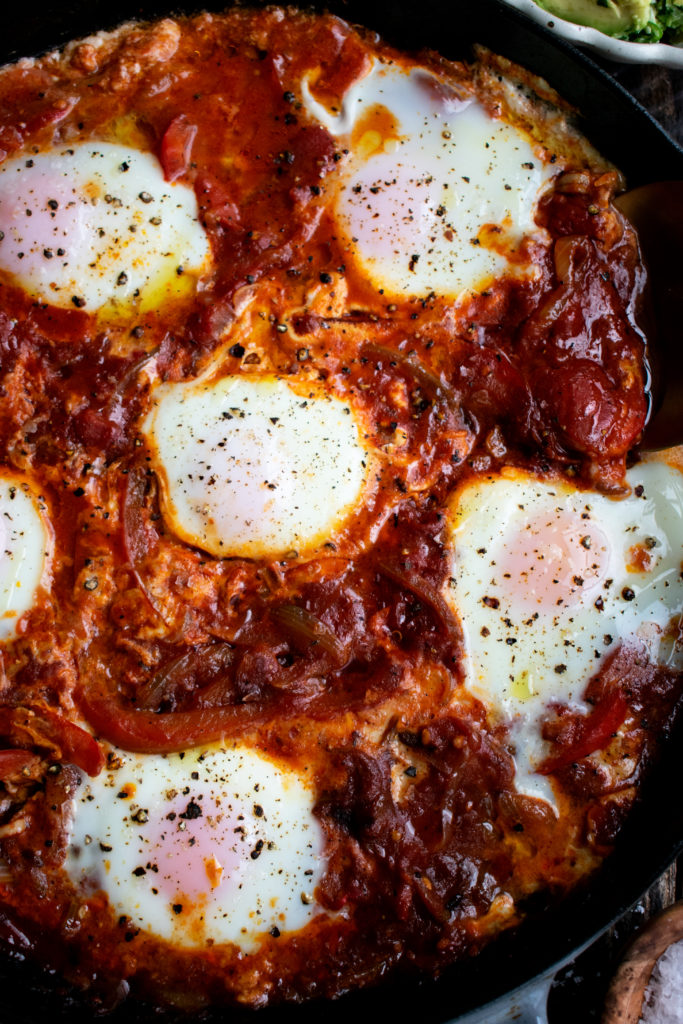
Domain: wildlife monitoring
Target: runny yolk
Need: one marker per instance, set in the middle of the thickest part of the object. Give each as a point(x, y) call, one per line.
point(196, 857)
point(553, 561)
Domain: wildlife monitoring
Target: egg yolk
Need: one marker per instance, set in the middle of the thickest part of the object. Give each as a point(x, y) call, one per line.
point(196, 856)
point(552, 562)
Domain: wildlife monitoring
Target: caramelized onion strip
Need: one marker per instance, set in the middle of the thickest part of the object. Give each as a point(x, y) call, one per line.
point(426, 593)
point(185, 673)
point(135, 541)
point(307, 627)
point(431, 384)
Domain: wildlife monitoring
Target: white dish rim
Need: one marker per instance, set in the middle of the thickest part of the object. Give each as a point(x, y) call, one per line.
point(616, 49)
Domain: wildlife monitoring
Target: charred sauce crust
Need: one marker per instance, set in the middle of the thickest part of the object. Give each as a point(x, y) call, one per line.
point(350, 661)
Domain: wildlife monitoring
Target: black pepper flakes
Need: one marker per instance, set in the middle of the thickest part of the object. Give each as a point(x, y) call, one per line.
point(408, 738)
point(256, 852)
point(237, 351)
point(192, 811)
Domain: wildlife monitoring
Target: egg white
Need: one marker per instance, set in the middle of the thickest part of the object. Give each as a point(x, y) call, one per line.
point(412, 200)
point(96, 224)
point(546, 580)
point(25, 545)
point(217, 843)
point(249, 466)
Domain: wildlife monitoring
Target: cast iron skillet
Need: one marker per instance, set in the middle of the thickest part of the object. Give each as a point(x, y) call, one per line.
point(653, 837)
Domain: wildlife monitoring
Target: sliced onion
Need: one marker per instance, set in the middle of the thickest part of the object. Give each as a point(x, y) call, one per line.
point(426, 593)
point(15, 827)
point(184, 673)
point(574, 183)
point(307, 627)
point(135, 540)
point(562, 253)
point(433, 385)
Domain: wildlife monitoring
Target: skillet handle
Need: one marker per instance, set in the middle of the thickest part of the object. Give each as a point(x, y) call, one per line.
point(526, 1005)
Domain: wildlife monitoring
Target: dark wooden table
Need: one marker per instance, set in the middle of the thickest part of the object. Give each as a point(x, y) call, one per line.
point(579, 991)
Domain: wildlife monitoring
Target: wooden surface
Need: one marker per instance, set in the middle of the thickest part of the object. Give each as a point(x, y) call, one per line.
point(579, 991)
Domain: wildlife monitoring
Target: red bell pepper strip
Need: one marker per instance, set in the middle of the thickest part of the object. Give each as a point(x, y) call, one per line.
point(150, 733)
point(13, 762)
point(43, 727)
point(591, 733)
point(176, 147)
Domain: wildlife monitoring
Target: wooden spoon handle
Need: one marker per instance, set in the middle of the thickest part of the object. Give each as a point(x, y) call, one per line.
point(624, 1003)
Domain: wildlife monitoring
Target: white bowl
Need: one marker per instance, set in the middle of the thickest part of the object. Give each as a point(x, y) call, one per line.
point(616, 49)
